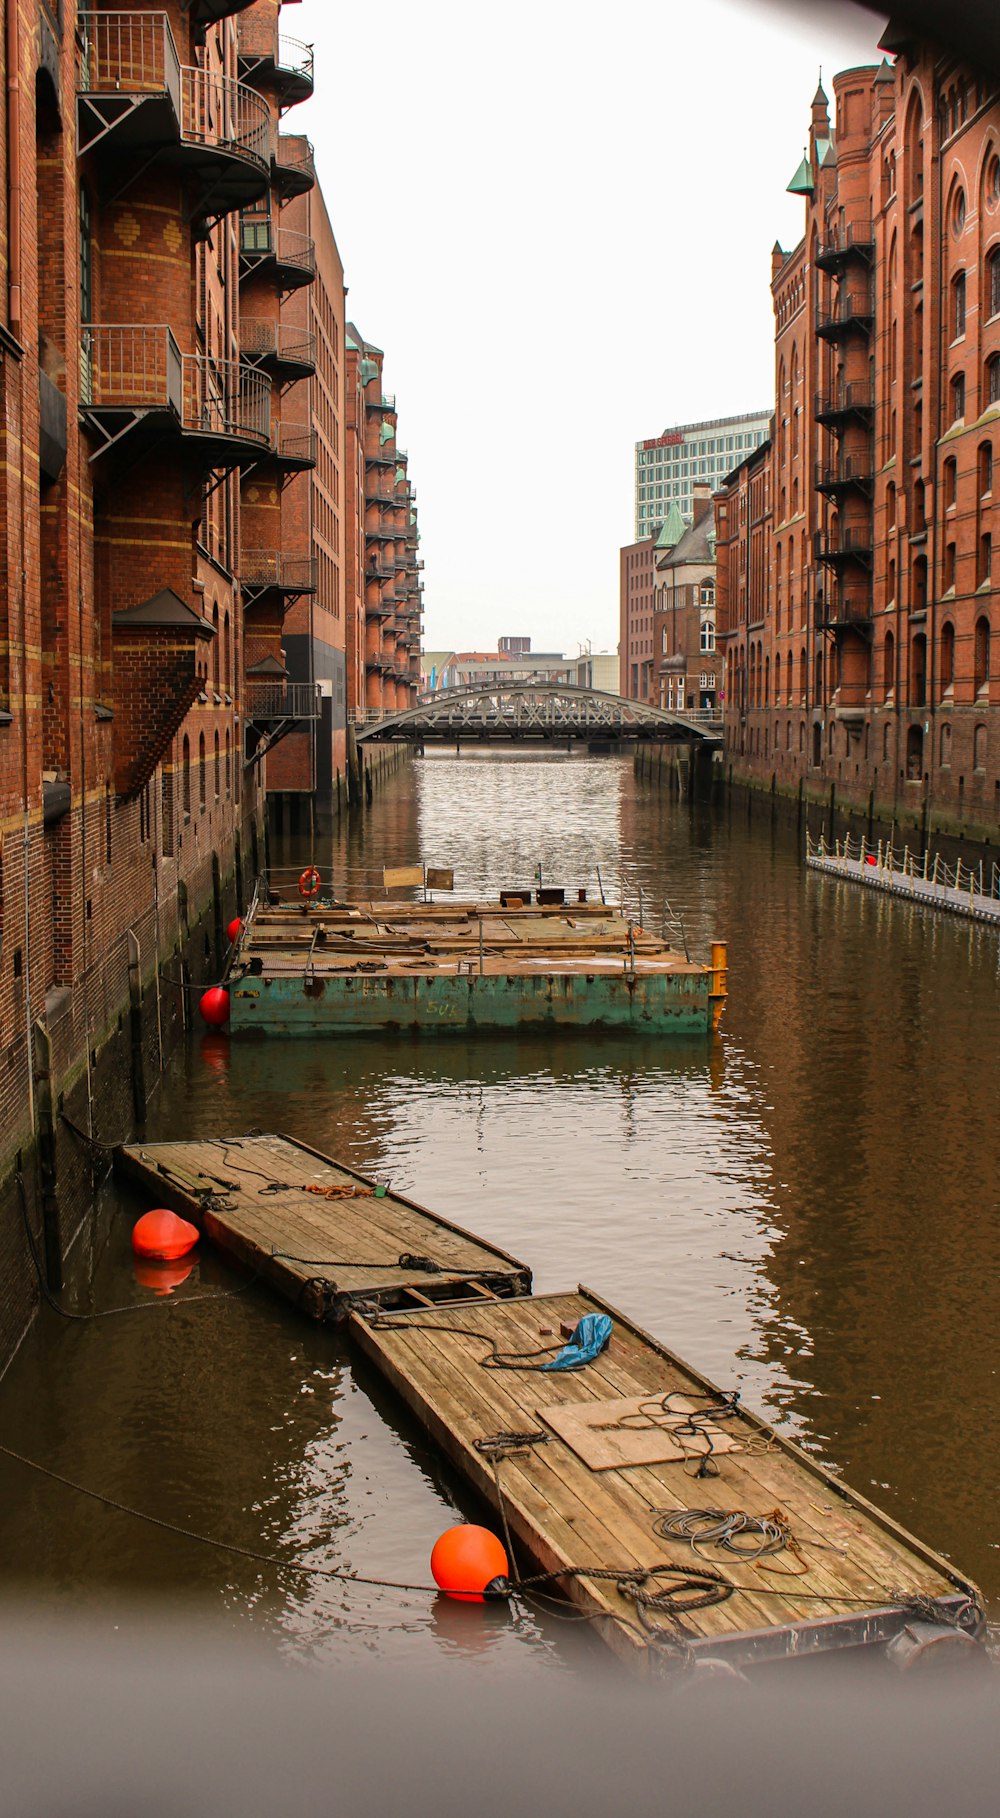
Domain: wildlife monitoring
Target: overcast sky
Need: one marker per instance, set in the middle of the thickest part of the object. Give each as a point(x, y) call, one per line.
point(557, 221)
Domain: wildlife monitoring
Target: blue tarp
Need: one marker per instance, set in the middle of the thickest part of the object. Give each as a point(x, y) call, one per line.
point(590, 1336)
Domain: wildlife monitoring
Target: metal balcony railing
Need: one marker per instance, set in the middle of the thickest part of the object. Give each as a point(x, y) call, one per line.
point(384, 402)
point(848, 540)
point(295, 445)
point(853, 610)
point(282, 700)
point(857, 237)
point(852, 310)
point(851, 470)
point(260, 241)
point(858, 396)
point(260, 42)
point(284, 342)
point(133, 54)
point(265, 568)
point(295, 159)
point(135, 367)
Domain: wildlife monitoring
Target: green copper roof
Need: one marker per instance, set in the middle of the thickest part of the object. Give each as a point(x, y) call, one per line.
point(369, 371)
point(825, 149)
point(386, 432)
point(351, 343)
point(400, 474)
point(673, 528)
point(802, 183)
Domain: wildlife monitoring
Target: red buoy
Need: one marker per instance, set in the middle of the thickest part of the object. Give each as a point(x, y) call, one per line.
point(214, 1006)
point(234, 930)
point(161, 1236)
point(466, 1561)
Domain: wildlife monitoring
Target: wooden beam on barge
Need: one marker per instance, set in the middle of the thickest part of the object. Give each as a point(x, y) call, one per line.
point(325, 1236)
point(855, 1578)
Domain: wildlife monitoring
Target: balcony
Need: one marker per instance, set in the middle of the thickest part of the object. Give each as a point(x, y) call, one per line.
point(855, 399)
point(386, 404)
point(269, 60)
point(283, 349)
point(276, 571)
point(853, 470)
point(379, 609)
point(293, 447)
point(136, 385)
point(852, 311)
point(855, 241)
point(271, 710)
point(136, 102)
point(848, 543)
point(288, 258)
point(293, 166)
point(850, 613)
point(377, 664)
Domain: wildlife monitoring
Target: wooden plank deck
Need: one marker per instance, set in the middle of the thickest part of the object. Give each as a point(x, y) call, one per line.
point(859, 1566)
point(265, 1200)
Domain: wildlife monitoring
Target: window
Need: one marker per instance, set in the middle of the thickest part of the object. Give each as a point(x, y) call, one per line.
point(958, 305)
point(993, 276)
point(86, 260)
point(985, 469)
point(958, 211)
point(949, 574)
point(890, 504)
point(981, 673)
point(984, 560)
point(947, 657)
point(950, 480)
point(201, 772)
point(186, 777)
point(993, 380)
point(889, 665)
point(958, 396)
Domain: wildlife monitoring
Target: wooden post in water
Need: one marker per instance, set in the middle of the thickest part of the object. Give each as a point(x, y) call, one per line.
point(720, 981)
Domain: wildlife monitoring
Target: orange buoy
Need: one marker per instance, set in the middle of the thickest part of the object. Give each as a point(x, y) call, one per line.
point(214, 1006)
point(163, 1237)
point(161, 1277)
point(467, 1562)
point(309, 882)
point(234, 930)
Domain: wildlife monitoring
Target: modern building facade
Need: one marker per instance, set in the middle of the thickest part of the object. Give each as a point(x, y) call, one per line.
point(669, 466)
point(857, 589)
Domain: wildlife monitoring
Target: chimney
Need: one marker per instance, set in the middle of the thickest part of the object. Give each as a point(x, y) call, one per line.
point(701, 501)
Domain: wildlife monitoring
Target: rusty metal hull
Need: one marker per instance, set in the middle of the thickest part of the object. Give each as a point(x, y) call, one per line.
point(668, 1003)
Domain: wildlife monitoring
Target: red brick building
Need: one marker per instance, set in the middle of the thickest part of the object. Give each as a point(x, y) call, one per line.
point(636, 656)
point(856, 581)
point(687, 674)
point(385, 616)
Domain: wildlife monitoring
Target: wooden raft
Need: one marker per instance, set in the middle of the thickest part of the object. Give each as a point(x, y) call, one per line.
point(858, 1564)
point(256, 1198)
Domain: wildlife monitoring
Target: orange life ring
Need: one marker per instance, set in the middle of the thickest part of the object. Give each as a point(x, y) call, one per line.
point(309, 882)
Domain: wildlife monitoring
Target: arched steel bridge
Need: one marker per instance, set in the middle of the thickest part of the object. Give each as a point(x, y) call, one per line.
point(536, 712)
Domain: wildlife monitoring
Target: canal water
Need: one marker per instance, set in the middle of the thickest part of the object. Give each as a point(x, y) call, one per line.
point(806, 1208)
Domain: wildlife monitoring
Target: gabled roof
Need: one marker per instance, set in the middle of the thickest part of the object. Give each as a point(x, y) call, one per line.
point(886, 73)
point(696, 545)
point(164, 611)
point(268, 665)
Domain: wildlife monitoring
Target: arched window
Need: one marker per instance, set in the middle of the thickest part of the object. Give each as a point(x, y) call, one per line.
point(946, 743)
point(947, 656)
point(985, 467)
point(920, 583)
point(890, 504)
point(992, 286)
point(993, 379)
point(958, 306)
point(216, 650)
point(201, 772)
point(914, 753)
point(889, 665)
point(802, 673)
point(227, 654)
point(819, 678)
point(790, 670)
point(950, 482)
point(957, 394)
point(981, 671)
point(229, 773)
point(186, 777)
point(218, 769)
point(918, 671)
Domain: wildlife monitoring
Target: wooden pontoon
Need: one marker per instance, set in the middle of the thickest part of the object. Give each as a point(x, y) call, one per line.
point(848, 1577)
point(325, 1236)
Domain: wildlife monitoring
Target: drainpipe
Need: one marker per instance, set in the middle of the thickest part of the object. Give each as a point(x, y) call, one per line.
point(13, 171)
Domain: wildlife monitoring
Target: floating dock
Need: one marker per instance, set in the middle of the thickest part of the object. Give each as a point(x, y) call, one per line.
point(341, 969)
point(325, 1237)
point(619, 1444)
point(610, 1480)
point(970, 890)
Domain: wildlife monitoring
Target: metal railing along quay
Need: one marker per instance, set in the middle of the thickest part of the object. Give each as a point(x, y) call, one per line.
point(970, 890)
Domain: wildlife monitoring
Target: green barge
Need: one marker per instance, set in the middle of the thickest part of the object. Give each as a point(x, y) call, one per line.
point(341, 969)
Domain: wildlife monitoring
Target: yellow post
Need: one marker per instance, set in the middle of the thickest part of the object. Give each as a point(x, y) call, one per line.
point(720, 982)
